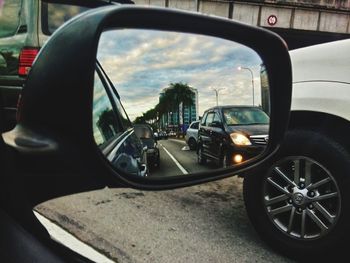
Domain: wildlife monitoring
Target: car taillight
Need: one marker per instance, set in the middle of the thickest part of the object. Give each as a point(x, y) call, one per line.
point(26, 59)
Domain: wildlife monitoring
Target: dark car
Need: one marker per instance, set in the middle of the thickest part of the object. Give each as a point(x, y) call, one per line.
point(162, 135)
point(25, 28)
point(232, 134)
point(145, 133)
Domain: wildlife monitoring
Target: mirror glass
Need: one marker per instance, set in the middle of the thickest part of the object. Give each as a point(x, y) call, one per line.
point(172, 103)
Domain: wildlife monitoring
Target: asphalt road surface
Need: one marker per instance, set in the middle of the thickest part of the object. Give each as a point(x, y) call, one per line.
point(177, 159)
point(205, 223)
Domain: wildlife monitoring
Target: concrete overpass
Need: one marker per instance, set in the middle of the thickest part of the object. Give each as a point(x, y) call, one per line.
point(299, 22)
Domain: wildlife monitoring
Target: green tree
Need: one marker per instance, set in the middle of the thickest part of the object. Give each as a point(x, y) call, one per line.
point(176, 94)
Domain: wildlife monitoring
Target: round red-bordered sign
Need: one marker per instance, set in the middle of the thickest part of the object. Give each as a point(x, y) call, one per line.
point(272, 20)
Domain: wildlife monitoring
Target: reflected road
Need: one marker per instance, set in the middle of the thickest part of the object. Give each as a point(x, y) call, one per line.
point(177, 159)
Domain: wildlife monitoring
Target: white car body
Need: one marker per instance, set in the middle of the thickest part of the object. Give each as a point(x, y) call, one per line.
point(192, 133)
point(321, 79)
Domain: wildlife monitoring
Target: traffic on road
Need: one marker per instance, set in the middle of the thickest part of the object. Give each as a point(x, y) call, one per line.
point(100, 101)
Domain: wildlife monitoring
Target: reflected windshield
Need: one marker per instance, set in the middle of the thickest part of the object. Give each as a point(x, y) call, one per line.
point(244, 116)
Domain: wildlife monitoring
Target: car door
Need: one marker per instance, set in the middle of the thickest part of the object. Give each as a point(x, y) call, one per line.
point(217, 135)
point(194, 130)
point(207, 134)
point(202, 133)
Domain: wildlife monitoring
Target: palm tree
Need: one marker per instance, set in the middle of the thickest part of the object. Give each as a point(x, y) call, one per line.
point(179, 93)
point(175, 95)
point(163, 107)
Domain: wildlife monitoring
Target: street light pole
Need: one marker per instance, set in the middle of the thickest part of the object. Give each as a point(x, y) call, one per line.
point(217, 94)
point(251, 73)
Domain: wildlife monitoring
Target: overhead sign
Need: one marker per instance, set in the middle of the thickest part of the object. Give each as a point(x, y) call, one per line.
point(272, 20)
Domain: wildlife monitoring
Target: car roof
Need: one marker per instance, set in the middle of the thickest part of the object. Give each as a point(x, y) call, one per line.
point(232, 106)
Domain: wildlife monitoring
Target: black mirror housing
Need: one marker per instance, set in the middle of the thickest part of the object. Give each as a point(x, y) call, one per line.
point(55, 122)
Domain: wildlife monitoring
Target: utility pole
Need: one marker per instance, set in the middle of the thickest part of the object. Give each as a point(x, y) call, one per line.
point(251, 74)
point(217, 94)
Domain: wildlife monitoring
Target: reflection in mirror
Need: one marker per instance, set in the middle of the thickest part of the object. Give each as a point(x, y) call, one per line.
point(170, 103)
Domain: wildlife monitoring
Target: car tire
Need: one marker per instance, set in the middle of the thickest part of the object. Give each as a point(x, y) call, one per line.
point(201, 159)
point(322, 157)
point(192, 144)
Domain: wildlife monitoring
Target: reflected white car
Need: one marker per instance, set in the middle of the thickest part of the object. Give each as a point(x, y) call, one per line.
point(192, 135)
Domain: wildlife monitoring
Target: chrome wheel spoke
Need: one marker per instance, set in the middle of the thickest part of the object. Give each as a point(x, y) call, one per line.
point(291, 218)
point(277, 186)
point(284, 177)
point(276, 199)
point(307, 174)
point(280, 210)
point(303, 224)
point(324, 212)
point(316, 220)
point(319, 183)
point(324, 197)
point(296, 171)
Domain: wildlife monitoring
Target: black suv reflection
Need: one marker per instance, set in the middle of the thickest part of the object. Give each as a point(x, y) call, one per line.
point(232, 134)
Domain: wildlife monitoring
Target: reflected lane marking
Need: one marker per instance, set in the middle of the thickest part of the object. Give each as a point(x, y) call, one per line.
point(182, 169)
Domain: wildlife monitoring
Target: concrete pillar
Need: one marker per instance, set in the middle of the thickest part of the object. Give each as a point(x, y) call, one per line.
point(305, 19)
point(150, 2)
point(333, 22)
point(190, 5)
point(160, 3)
point(248, 14)
point(214, 8)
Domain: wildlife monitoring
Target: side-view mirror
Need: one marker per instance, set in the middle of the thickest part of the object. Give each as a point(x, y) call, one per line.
point(161, 67)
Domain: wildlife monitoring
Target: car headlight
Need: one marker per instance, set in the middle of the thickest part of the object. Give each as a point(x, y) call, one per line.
point(240, 139)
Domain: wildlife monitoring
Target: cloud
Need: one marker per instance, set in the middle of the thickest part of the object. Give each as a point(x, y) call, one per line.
point(142, 62)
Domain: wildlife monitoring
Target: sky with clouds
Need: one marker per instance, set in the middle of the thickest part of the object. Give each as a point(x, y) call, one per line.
point(141, 63)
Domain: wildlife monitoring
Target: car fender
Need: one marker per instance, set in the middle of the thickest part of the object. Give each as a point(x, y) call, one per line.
point(322, 96)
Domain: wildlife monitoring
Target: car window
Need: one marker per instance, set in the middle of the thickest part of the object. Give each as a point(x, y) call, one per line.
point(209, 119)
point(9, 17)
point(54, 15)
point(203, 119)
point(216, 117)
point(245, 116)
point(120, 108)
point(195, 125)
point(105, 125)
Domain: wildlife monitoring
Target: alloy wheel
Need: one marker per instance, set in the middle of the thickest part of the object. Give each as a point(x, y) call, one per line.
point(301, 198)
